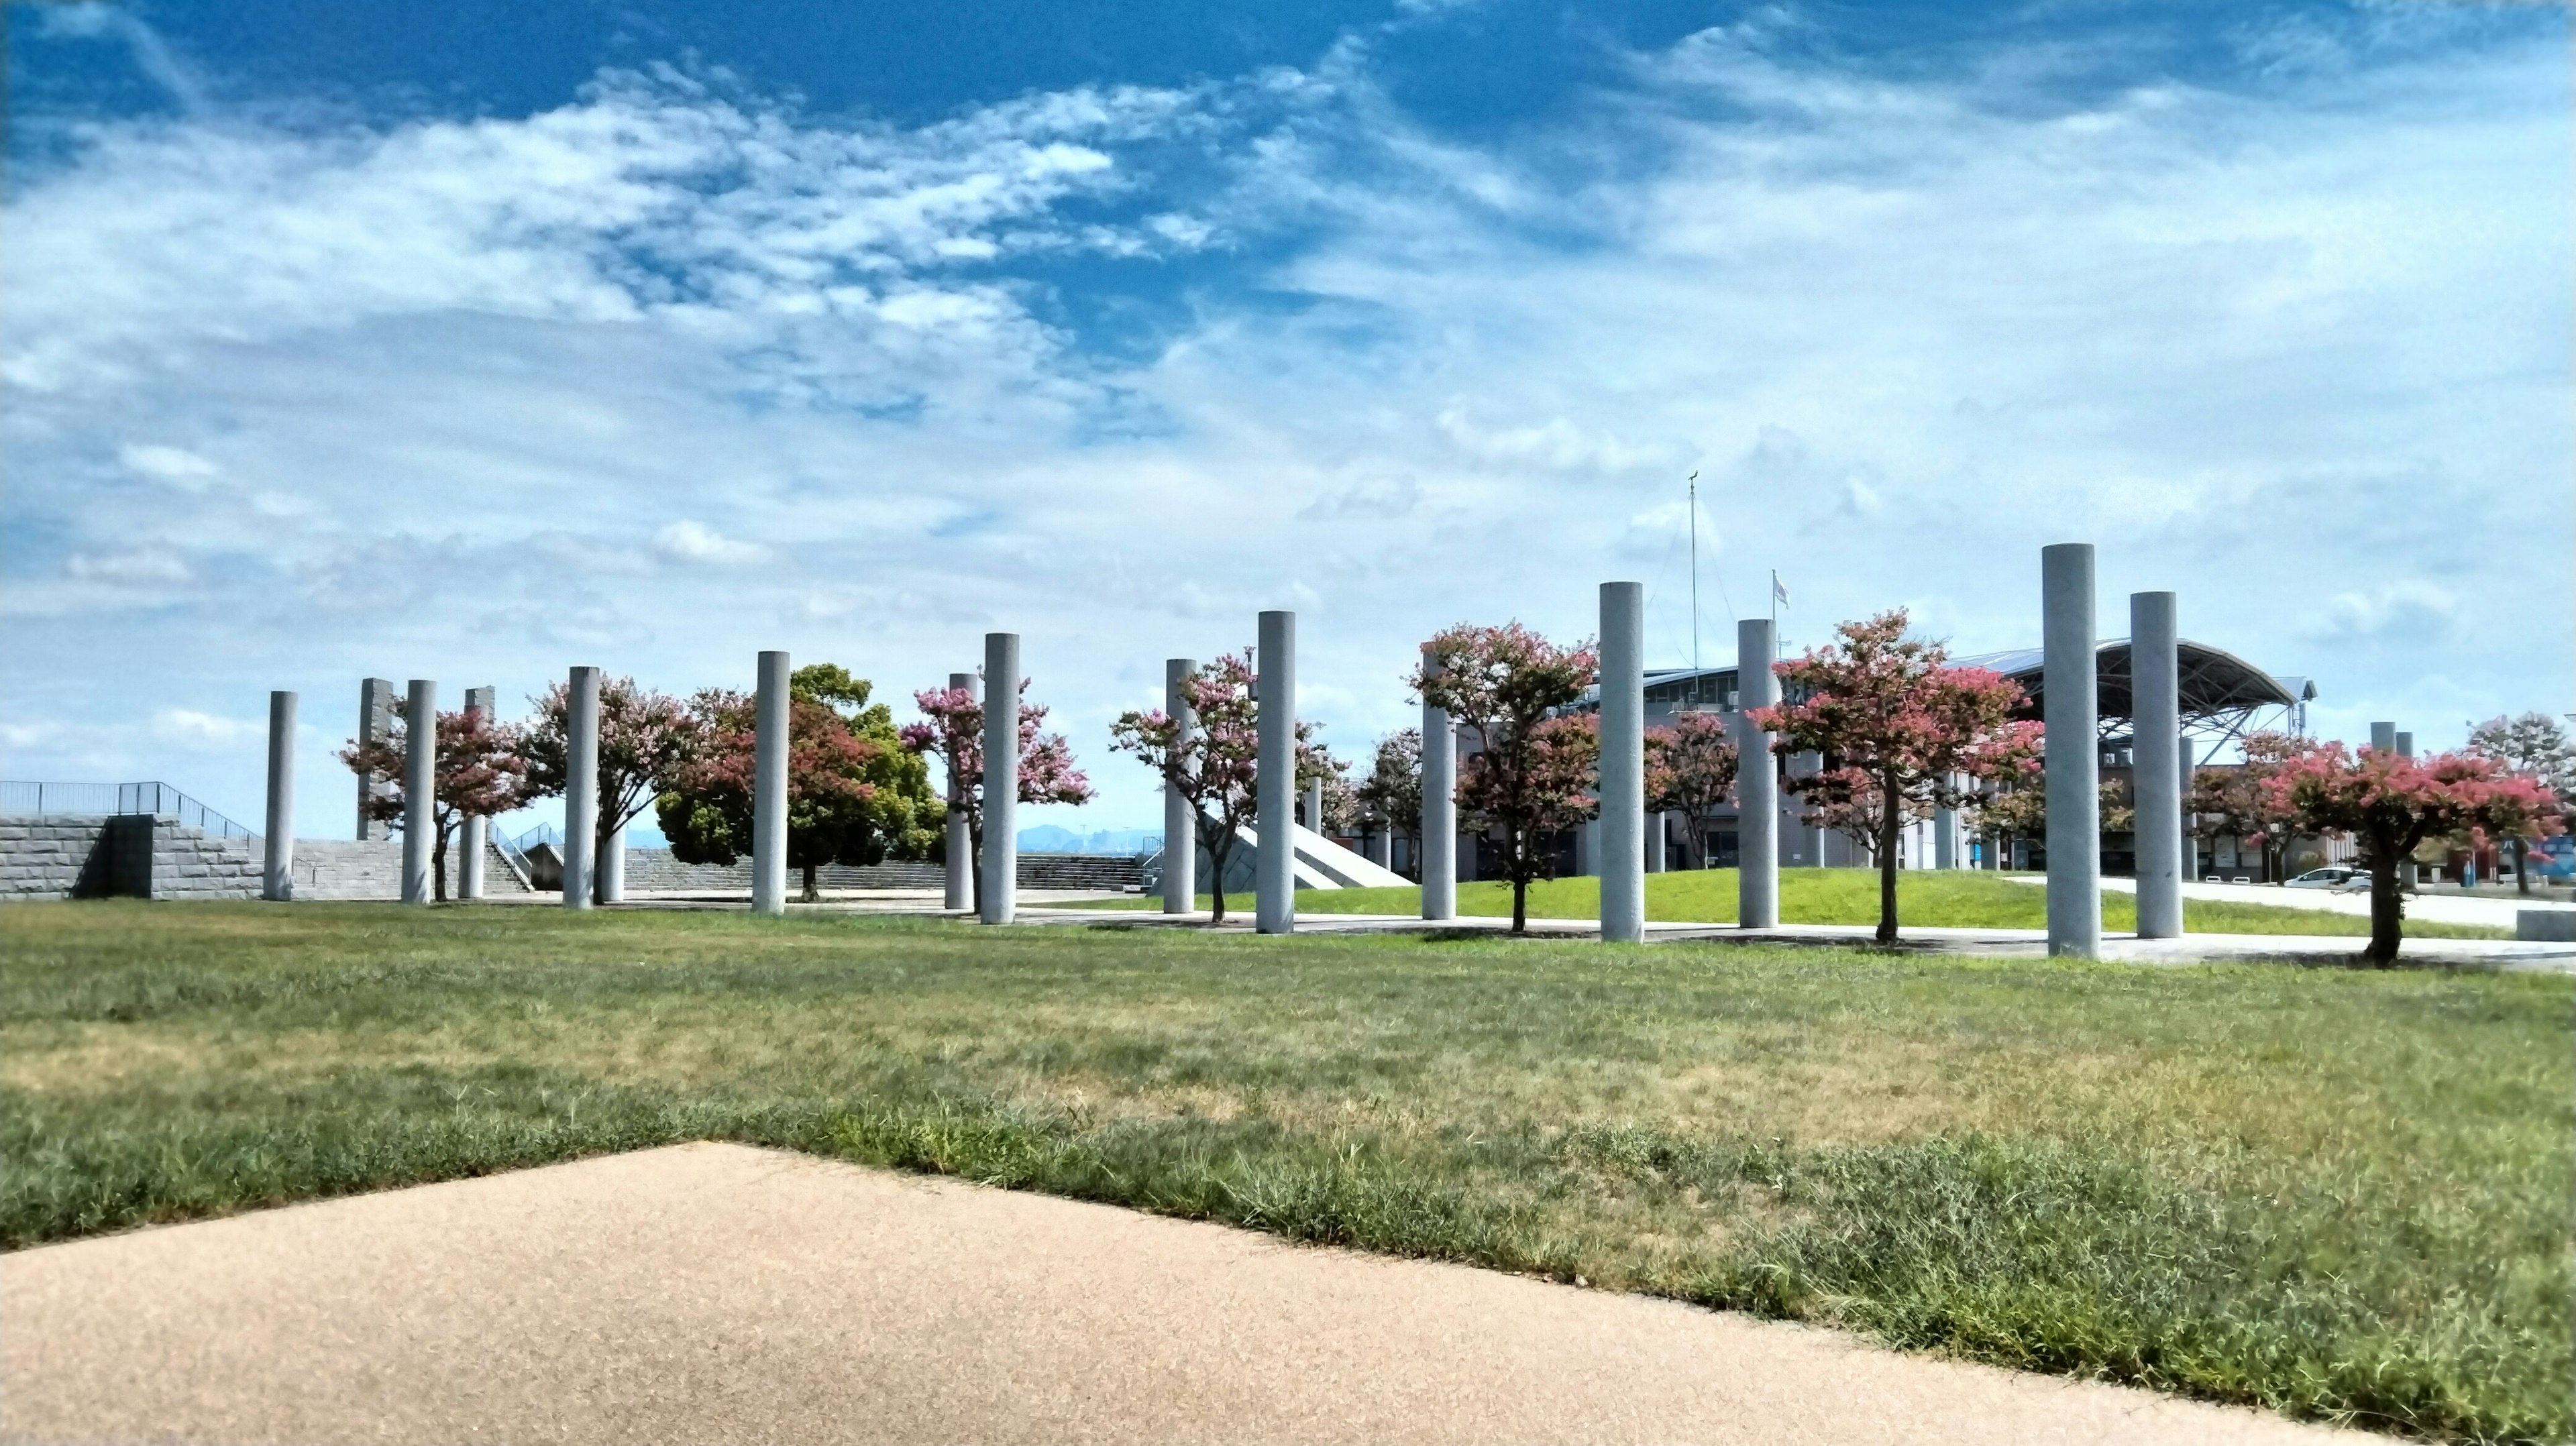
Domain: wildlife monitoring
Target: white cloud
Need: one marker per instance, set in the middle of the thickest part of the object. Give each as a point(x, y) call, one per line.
point(139, 567)
point(689, 540)
point(175, 465)
point(2409, 610)
point(190, 729)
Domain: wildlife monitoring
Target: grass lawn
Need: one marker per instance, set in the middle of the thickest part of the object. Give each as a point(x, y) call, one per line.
point(2342, 1194)
point(1924, 898)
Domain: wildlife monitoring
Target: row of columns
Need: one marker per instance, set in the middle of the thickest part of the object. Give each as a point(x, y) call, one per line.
point(2070, 705)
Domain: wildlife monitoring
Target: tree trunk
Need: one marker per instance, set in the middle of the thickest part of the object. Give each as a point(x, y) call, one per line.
point(812, 895)
point(1519, 853)
point(1218, 851)
point(1889, 819)
point(2521, 866)
point(2387, 907)
point(438, 866)
point(975, 863)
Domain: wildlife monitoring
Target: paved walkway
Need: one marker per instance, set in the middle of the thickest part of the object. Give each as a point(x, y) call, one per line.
point(2494, 910)
point(717, 1293)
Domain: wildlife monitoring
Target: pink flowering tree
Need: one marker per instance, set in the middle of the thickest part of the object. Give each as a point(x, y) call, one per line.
point(1901, 732)
point(1690, 770)
point(1533, 771)
point(1217, 769)
point(646, 740)
point(953, 732)
point(480, 772)
point(2388, 803)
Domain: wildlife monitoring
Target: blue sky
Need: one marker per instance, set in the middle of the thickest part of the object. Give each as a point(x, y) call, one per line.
point(475, 341)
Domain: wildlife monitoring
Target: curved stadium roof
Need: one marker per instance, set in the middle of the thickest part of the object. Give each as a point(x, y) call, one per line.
point(2215, 682)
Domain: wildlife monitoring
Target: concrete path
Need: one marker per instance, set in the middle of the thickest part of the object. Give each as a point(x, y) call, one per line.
point(2496, 911)
point(716, 1293)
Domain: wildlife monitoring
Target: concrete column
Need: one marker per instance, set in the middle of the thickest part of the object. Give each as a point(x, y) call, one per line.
point(420, 789)
point(1619, 851)
point(277, 872)
point(1315, 804)
point(1757, 781)
point(610, 874)
point(1275, 781)
point(2406, 867)
point(960, 881)
point(2383, 737)
point(1001, 859)
point(1945, 834)
point(1180, 821)
point(1439, 809)
point(2074, 757)
point(1381, 843)
point(2155, 710)
point(581, 789)
point(375, 712)
point(473, 833)
point(1658, 832)
point(2405, 745)
point(769, 785)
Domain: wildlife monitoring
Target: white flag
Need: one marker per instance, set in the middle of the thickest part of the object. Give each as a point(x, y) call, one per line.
point(1779, 590)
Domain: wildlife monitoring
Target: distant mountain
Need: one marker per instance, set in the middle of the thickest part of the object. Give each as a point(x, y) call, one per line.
point(1048, 838)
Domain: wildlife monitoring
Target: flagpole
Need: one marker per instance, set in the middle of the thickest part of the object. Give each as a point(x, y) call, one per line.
point(1694, 529)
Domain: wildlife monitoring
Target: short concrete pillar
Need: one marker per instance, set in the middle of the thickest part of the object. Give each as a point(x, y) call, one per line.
point(1315, 805)
point(769, 785)
point(959, 893)
point(1658, 836)
point(1439, 809)
point(1001, 861)
point(1274, 901)
point(1620, 840)
point(1757, 780)
point(581, 788)
point(375, 724)
point(2155, 710)
point(2070, 701)
point(420, 789)
point(277, 869)
point(611, 870)
point(473, 832)
point(1180, 820)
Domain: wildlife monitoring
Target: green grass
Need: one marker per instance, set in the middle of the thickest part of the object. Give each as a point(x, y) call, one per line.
point(2340, 1194)
point(1925, 898)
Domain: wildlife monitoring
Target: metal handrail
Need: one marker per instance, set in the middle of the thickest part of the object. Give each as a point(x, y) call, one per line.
point(155, 800)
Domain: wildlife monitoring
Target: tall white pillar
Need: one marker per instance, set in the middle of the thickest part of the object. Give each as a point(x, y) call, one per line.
point(1658, 833)
point(2406, 868)
point(2155, 713)
point(1001, 777)
point(1315, 805)
point(1757, 780)
point(1381, 843)
point(1274, 900)
point(277, 870)
point(420, 789)
point(960, 893)
point(1619, 843)
point(1180, 820)
point(1945, 838)
point(474, 830)
point(581, 788)
point(1439, 809)
point(769, 785)
point(375, 712)
point(2071, 704)
point(610, 873)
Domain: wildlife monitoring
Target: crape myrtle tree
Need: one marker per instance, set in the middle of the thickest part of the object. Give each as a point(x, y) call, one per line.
point(1690, 770)
point(1901, 733)
point(2020, 810)
point(645, 738)
point(479, 773)
point(2239, 802)
point(1392, 792)
point(1533, 772)
point(952, 731)
point(2388, 803)
point(1217, 771)
point(854, 794)
point(1316, 762)
point(2533, 746)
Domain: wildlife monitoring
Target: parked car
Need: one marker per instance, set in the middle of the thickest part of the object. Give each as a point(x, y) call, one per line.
point(2333, 876)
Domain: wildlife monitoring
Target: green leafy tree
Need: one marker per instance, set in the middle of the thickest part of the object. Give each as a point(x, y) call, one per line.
point(855, 795)
point(2533, 746)
point(1532, 774)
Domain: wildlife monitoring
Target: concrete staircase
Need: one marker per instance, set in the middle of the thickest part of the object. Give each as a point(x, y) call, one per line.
point(1318, 863)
